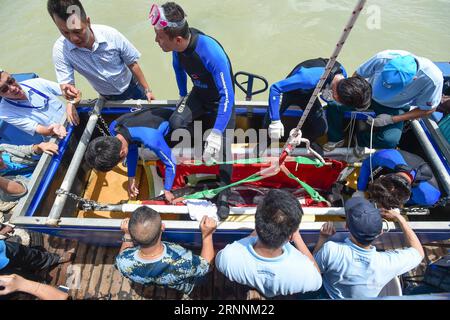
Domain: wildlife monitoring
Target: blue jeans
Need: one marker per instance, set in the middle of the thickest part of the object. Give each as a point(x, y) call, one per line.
point(134, 92)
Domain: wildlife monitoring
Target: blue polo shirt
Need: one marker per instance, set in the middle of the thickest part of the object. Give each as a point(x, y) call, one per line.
point(350, 271)
point(28, 114)
point(424, 92)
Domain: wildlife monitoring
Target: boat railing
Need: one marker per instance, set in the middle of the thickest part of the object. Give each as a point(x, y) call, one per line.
point(78, 157)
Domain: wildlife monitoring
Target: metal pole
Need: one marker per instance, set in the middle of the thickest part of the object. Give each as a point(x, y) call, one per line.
point(439, 169)
point(348, 28)
point(60, 201)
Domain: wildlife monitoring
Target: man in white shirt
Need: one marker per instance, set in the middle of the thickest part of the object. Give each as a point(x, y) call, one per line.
point(266, 260)
point(32, 105)
point(100, 53)
point(404, 87)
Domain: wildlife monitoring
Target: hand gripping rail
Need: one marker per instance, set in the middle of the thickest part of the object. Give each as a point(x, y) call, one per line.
point(72, 171)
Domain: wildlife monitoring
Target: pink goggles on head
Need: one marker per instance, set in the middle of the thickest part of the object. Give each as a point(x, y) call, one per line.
point(159, 21)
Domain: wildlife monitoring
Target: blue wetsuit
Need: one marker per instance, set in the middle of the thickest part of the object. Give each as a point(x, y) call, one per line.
point(147, 127)
point(424, 189)
point(297, 89)
point(210, 70)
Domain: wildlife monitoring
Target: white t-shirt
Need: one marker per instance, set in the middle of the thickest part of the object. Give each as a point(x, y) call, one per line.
point(292, 272)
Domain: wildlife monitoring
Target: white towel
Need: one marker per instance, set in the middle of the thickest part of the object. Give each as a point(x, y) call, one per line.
point(199, 208)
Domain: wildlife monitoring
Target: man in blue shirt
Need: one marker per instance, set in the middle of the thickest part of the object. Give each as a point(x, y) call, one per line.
point(266, 260)
point(147, 260)
point(400, 81)
point(394, 171)
point(100, 53)
point(146, 127)
point(354, 269)
point(298, 88)
point(205, 61)
point(32, 106)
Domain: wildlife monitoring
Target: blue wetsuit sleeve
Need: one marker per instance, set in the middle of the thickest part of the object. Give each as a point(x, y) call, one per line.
point(297, 81)
point(388, 158)
point(424, 194)
point(180, 75)
point(216, 62)
point(344, 72)
point(132, 159)
point(165, 154)
point(154, 141)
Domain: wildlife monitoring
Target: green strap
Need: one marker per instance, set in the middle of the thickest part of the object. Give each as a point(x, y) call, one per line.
point(315, 162)
point(300, 160)
point(310, 190)
point(209, 194)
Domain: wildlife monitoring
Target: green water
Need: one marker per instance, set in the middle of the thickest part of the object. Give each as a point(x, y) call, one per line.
point(266, 37)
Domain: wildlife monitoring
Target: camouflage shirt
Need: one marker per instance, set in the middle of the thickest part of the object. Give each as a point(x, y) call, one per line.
point(178, 268)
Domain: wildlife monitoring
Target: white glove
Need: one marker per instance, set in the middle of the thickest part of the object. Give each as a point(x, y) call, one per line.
point(381, 121)
point(276, 130)
point(358, 193)
point(212, 146)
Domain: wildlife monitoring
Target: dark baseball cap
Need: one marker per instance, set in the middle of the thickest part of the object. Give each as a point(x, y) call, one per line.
point(364, 221)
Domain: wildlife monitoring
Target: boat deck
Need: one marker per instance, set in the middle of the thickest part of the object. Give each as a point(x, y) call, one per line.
point(95, 276)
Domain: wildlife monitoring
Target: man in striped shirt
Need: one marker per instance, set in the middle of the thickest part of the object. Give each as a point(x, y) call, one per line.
point(100, 53)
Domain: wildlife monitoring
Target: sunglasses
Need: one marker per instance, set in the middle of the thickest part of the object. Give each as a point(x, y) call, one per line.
point(4, 88)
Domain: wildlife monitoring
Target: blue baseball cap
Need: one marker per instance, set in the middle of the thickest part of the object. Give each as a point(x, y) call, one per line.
point(3, 259)
point(364, 221)
point(396, 75)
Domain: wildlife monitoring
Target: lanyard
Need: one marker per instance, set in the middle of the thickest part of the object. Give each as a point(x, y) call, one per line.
point(33, 90)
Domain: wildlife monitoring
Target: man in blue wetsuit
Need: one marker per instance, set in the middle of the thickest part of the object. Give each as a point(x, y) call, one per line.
point(147, 127)
point(298, 88)
point(205, 61)
point(399, 177)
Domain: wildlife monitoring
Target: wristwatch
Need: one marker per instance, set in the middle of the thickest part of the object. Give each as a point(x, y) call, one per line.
point(126, 239)
point(148, 90)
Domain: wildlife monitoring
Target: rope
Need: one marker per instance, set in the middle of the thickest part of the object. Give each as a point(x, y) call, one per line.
point(370, 155)
point(349, 26)
point(352, 126)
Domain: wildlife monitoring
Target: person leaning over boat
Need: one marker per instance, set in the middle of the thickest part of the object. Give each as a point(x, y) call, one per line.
point(99, 53)
point(399, 177)
point(147, 127)
point(205, 61)
point(147, 260)
point(354, 268)
point(16, 166)
point(298, 88)
point(267, 261)
point(400, 81)
point(32, 105)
